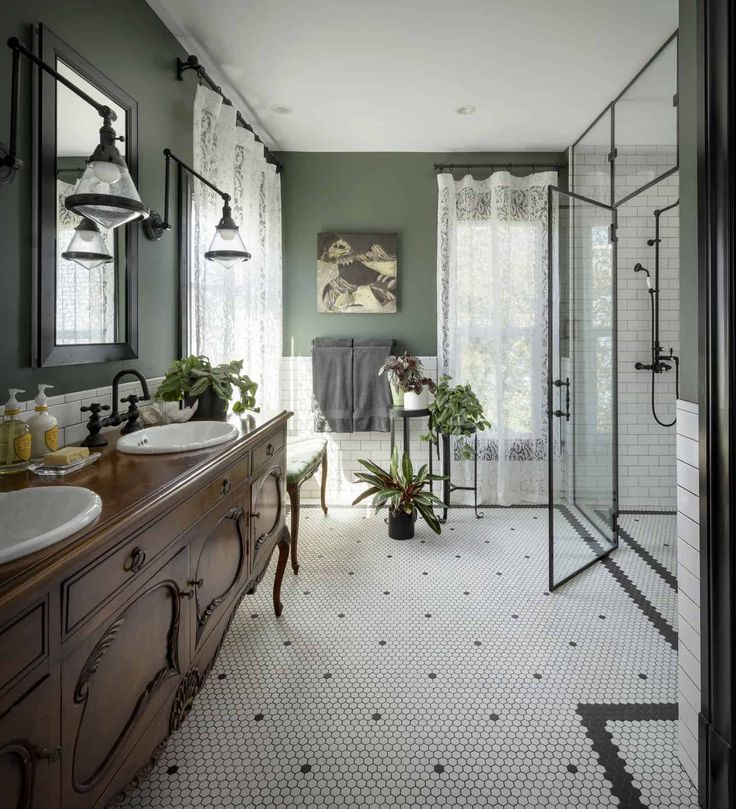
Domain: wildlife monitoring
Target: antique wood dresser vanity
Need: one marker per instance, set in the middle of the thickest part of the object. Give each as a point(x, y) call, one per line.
point(106, 637)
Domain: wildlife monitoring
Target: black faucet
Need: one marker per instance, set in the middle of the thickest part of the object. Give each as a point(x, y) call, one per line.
point(131, 417)
point(96, 423)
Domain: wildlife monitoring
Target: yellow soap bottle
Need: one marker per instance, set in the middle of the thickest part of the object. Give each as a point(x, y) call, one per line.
point(44, 427)
point(15, 438)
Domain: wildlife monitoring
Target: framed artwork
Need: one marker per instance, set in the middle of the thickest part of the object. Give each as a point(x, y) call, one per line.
point(357, 273)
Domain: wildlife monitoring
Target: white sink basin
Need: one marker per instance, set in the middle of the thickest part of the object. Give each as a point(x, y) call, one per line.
point(177, 437)
point(37, 517)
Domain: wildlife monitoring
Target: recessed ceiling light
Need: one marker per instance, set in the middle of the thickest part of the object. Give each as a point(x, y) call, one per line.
point(281, 109)
point(468, 109)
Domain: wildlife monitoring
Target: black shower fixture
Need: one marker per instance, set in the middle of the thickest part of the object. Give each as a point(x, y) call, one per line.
point(661, 362)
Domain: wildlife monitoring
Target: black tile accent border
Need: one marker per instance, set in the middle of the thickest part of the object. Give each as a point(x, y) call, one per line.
point(641, 551)
point(594, 719)
point(634, 593)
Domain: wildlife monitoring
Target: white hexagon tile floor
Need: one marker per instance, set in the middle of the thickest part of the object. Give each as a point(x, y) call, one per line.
point(441, 672)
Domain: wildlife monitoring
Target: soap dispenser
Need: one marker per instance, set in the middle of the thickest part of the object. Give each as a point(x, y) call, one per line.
point(15, 438)
point(44, 427)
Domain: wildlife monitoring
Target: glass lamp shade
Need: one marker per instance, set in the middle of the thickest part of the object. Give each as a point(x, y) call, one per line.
point(87, 247)
point(107, 194)
point(227, 248)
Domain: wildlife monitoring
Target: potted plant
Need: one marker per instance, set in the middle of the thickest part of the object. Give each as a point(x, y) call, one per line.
point(195, 378)
point(457, 411)
point(409, 387)
point(403, 492)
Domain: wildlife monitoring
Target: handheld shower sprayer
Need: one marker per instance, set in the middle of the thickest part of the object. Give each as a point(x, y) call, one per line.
point(639, 268)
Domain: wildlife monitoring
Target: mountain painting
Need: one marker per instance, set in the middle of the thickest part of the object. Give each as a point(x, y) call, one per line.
point(357, 273)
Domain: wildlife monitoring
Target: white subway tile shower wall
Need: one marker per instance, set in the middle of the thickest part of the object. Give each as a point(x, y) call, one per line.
point(647, 466)
point(688, 581)
point(343, 449)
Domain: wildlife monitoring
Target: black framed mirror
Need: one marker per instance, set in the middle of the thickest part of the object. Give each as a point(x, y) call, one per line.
point(80, 315)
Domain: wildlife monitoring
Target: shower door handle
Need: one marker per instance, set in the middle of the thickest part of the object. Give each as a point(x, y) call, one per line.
point(563, 383)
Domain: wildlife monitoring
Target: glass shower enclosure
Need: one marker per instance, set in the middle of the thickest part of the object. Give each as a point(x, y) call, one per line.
point(609, 166)
point(582, 394)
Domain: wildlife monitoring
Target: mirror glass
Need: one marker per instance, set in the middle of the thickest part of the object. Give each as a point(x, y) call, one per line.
point(90, 303)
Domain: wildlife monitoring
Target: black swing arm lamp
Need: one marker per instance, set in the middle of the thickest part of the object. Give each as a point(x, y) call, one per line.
point(227, 247)
point(105, 193)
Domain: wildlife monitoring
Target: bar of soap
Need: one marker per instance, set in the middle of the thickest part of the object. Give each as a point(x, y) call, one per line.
point(66, 455)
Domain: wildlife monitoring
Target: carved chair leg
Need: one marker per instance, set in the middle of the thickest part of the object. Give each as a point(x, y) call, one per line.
point(294, 499)
point(278, 607)
point(324, 482)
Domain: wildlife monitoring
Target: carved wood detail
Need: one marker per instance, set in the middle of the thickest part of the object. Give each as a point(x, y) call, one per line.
point(83, 686)
point(139, 777)
point(22, 751)
point(185, 694)
point(236, 515)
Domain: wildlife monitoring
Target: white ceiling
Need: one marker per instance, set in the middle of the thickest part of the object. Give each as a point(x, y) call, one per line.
point(388, 75)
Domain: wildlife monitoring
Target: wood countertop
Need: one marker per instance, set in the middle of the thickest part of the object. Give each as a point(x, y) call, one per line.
point(129, 486)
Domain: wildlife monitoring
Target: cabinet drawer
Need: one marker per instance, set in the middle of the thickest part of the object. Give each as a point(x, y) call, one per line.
point(267, 450)
point(99, 581)
point(23, 643)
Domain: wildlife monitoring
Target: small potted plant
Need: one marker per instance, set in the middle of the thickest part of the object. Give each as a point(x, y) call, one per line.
point(195, 378)
point(409, 387)
point(455, 410)
point(403, 492)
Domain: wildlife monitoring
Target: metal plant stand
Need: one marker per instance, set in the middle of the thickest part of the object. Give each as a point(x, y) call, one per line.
point(447, 485)
point(406, 416)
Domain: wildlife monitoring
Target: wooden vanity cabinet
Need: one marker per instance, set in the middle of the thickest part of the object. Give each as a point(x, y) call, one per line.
point(135, 625)
point(29, 750)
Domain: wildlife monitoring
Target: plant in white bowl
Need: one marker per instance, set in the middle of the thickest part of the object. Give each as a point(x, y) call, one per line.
point(410, 389)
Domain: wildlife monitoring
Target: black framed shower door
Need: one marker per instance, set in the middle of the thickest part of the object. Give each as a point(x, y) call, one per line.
point(582, 383)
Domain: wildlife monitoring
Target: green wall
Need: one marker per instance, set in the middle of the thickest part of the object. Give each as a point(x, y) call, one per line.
point(128, 43)
point(688, 137)
point(367, 191)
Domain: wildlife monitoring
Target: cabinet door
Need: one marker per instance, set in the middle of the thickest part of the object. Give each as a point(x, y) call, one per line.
point(267, 515)
point(220, 561)
point(115, 680)
point(29, 751)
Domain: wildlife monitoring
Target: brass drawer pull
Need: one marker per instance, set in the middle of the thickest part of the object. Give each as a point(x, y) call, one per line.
point(256, 515)
point(137, 559)
point(235, 514)
point(270, 449)
point(50, 754)
point(227, 487)
point(186, 593)
point(195, 582)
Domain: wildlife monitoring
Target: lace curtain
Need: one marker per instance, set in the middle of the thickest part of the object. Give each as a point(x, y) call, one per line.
point(493, 323)
point(236, 314)
point(85, 299)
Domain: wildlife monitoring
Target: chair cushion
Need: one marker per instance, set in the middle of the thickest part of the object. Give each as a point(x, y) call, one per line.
point(304, 455)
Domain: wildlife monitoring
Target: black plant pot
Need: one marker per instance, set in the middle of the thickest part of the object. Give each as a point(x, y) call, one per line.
point(401, 524)
point(210, 408)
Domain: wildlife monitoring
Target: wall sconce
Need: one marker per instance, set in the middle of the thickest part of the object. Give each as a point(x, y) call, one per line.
point(87, 247)
point(105, 193)
point(227, 248)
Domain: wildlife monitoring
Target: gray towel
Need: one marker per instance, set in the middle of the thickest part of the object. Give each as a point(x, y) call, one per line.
point(332, 384)
point(371, 393)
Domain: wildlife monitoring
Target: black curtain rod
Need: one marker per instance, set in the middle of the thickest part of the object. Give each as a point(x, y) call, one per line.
point(192, 63)
point(494, 166)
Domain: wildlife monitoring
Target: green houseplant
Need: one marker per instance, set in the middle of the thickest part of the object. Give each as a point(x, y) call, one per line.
point(405, 375)
point(457, 411)
point(195, 377)
point(403, 492)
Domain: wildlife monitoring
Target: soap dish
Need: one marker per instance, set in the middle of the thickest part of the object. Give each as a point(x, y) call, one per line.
point(61, 471)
